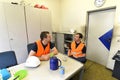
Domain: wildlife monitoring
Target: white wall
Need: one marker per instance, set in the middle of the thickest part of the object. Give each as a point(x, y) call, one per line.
point(53, 5)
point(72, 16)
point(74, 13)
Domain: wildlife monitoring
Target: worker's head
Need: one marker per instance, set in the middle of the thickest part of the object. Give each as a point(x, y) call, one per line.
point(45, 35)
point(78, 37)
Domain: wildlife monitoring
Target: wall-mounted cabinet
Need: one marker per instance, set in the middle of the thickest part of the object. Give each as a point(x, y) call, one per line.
point(20, 25)
point(37, 20)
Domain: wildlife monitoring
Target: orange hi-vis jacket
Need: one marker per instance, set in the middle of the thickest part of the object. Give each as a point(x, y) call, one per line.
point(41, 51)
point(78, 49)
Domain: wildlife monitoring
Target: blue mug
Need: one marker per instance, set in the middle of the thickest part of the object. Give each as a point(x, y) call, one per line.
point(62, 70)
point(54, 63)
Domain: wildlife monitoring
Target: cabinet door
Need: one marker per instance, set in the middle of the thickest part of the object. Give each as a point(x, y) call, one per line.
point(33, 23)
point(45, 22)
point(17, 31)
point(60, 42)
point(37, 20)
point(4, 38)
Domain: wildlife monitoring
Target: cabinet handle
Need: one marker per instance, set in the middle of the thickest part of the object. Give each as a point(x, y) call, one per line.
point(11, 39)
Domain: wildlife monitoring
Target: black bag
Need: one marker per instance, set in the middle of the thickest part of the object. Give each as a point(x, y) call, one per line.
point(116, 70)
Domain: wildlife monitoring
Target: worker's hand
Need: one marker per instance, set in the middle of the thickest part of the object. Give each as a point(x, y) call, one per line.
point(69, 53)
point(45, 57)
point(73, 53)
point(75, 56)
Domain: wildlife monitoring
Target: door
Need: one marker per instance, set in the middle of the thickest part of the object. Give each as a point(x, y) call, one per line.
point(100, 27)
point(15, 19)
point(4, 38)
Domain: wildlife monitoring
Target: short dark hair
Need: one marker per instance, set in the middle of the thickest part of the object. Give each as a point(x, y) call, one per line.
point(44, 34)
point(80, 35)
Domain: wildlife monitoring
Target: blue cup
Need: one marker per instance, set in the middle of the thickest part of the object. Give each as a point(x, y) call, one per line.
point(61, 70)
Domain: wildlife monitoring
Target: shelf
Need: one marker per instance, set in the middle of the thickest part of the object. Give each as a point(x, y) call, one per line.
point(68, 41)
point(68, 38)
point(66, 47)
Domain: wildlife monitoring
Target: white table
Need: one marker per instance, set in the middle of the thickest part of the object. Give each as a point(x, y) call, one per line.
point(43, 72)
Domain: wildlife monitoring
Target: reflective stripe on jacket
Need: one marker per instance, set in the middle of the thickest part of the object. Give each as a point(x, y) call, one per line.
point(40, 49)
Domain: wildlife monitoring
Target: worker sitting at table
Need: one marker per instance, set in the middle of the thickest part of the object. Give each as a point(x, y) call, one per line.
point(43, 47)
point(78, 49)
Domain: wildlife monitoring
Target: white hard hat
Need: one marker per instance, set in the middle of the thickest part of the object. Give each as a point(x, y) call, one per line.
point(32, 61)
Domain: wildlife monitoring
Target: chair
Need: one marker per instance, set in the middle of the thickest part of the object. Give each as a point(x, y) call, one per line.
point(7, 59)
point(29, 47)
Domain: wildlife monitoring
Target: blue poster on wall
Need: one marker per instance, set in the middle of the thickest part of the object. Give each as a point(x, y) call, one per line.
point(106, 39)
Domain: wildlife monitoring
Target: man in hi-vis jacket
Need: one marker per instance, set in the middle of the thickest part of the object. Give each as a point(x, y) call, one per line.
point(78, 49)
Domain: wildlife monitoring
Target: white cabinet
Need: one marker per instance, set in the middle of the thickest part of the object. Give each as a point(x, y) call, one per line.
point(33, 23)
point(21, 25)
point(15, 21)
point(13, 30)
point(45, 21)
point(37, 20)
point(4, 38)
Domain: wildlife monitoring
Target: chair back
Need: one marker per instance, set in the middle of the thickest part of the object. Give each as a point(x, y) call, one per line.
point(7, 59)
point(29, 47)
